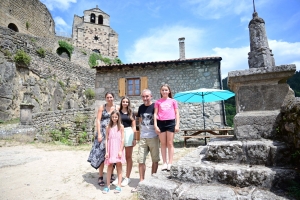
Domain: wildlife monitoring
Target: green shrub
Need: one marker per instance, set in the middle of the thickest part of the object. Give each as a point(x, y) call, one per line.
point(117, 61)
point(90, 93)
point(60, 136)
point(27, 25)
point(93, 59)
point(41, 52)
point(22, 57)
point(62, 84)
point(33, 40)
point(106, 61)
point(69, 47)
point(82, 137)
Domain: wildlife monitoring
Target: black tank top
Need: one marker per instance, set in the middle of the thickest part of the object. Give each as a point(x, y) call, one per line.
point(126, 121)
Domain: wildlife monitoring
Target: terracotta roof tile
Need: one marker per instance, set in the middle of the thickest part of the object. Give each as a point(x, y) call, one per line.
point(159, 62)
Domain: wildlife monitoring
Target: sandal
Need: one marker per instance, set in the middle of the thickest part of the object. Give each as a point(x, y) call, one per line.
point(118, 190)
point(100, 181)
point(105, 190)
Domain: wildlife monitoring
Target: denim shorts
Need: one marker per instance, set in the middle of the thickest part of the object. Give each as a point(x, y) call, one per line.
point(166, 125)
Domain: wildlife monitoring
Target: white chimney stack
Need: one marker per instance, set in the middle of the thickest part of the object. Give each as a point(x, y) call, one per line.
point(181, 48)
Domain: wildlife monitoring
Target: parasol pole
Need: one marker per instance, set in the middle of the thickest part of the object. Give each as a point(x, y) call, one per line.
point(203, 110)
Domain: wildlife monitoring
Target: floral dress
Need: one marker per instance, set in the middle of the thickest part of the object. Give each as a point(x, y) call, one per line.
point(97, 154)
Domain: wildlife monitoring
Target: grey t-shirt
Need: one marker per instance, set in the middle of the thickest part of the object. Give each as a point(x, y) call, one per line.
point(147, 126)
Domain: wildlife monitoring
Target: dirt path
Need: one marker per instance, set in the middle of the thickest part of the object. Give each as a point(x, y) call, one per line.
point(43, 171)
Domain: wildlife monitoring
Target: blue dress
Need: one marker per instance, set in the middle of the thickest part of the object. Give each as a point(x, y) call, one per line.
point(97, 154)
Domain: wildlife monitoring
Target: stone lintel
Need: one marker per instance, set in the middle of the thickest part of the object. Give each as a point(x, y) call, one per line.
point(259, 76)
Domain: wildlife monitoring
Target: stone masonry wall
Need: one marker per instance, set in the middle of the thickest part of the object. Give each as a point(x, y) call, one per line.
point(34, 12)
point(56, 83)
point(76, 121)
point(182, 77)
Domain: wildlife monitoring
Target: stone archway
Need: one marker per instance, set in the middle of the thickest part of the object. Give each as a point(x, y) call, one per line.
point(13, 27)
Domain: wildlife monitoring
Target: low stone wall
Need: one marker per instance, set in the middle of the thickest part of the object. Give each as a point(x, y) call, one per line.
point(76, 121)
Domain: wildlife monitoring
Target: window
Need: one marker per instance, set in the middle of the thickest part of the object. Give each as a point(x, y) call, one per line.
point(93, 18)
point(100, 19)
point(132, 86)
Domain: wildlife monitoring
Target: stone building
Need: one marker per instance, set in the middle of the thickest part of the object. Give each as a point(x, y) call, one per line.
point(27, 16)
point(182, 75)
point(92, 31)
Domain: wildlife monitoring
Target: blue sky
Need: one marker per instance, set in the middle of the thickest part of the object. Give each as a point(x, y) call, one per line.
point(149, 30)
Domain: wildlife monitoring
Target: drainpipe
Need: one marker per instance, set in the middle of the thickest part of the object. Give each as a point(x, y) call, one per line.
point(221, 88)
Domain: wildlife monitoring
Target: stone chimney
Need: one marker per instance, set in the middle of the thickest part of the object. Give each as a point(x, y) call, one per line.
point(181, 48)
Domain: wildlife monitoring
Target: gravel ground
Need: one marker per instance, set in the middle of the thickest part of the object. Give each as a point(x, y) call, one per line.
point(47, 171)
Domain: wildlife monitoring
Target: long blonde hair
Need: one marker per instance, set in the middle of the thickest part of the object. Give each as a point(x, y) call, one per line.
point(111, 123)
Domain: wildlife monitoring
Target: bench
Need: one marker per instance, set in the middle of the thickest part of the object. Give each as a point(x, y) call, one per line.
point(222, 133)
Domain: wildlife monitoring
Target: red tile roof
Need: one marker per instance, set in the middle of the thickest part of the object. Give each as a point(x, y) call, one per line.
point(190, 60)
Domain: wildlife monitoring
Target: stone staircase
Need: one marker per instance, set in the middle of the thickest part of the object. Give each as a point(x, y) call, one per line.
point(224, 169)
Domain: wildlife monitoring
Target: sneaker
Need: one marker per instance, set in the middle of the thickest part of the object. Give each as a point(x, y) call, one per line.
point(125, 182)
point(169, 167)
point(115, 182)
point(164, 168)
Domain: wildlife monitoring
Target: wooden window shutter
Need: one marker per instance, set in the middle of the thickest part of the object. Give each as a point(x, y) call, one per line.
point(122, 89)
point(144, 83)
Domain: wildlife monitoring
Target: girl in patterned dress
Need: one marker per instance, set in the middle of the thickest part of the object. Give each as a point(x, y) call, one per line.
point(114, 149)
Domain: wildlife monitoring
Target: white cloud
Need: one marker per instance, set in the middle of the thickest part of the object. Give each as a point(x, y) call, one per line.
point(60, 4)
point(237, 58)
point(162, 44)
point(232, 59)
point(61, 25)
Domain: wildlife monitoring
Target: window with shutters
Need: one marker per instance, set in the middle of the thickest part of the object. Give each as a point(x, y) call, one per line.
point(132, 86)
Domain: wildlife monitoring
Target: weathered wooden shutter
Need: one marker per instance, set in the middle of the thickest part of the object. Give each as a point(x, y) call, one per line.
point(144, 83)
point(122, 87)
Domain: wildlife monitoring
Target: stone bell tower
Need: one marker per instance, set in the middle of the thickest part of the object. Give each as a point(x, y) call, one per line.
point(92, 31)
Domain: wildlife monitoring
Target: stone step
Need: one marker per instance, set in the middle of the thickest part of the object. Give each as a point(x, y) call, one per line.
point(192, 168)
point(158, 186)
point(255, 152)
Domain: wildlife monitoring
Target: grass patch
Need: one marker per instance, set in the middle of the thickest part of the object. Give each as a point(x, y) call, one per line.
point(12, 121)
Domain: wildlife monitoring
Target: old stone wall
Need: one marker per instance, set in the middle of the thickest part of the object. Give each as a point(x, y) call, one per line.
point(56, 83)
point(181, 77)
point(76, 121)
point(32, 12)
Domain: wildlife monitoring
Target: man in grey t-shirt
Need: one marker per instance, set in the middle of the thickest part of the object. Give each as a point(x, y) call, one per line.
point(149, 140)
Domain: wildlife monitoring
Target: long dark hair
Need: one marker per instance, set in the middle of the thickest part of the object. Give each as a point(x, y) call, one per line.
point(129, 110)
point(111, 123)
point(166, 85)
point(107, 93)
